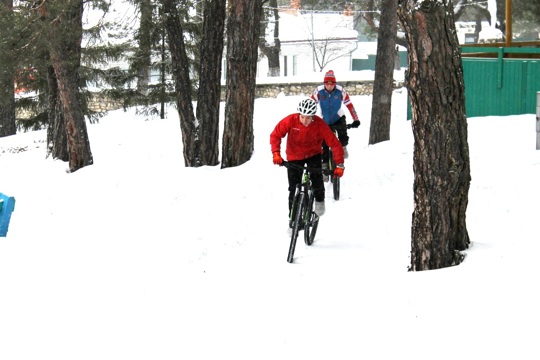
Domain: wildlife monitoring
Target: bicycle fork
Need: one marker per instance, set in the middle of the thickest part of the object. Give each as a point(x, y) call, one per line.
point(305, 206)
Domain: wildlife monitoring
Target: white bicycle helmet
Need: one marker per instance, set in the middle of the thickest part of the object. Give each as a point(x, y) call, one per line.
point(307, 107)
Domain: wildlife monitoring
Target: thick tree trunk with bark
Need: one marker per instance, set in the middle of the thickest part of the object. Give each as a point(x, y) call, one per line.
point(7, 106)
point(272, 52)
point(7, 90)
point(56, 131)
point(209, 96)
point(383, 85)
point(182, 84)
point(242, 43)
point(441, 152)
point(65, 52)
point(144, 61)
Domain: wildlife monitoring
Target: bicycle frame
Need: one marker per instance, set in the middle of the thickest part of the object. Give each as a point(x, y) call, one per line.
point(302, 216)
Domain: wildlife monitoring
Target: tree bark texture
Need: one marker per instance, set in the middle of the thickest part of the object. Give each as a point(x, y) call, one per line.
point(65, 53)
point(242, 50)
point(381, 110)
point(272, 52)
point(441, 152)
point(144, 37)
point(7, 74)
point(209, 96)
point(7, 106)
point(57, 146)
point(182, 84)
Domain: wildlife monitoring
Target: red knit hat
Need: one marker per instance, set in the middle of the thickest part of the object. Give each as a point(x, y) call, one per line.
point(330, 77)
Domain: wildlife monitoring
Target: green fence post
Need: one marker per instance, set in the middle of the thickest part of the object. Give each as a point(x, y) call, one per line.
point(500, 68)
point(538, 120)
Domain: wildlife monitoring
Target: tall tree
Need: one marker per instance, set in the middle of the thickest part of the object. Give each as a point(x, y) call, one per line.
point(272, 49)
point(57, 145)
point(441, 152)
point(525, 16)
point(64, 22)
point(383, 85)
point(209, 95)
point(182, 83)
point(7, 75)
point(242, 44)
point(144, 50)
point(200, 135)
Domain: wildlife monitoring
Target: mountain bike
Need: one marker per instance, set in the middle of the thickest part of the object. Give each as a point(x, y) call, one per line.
point(302, 216)
point(336, 186)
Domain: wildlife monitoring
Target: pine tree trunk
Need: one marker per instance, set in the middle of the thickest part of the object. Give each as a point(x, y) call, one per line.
point(65, 52)
point(242, 51)
point(209, 97)
point(7, 107)
point(7, 90)
point(383, 85)
point(441, 152)
point(272, 52)
point(144, 60)
point(56, 131)
point(182, 84)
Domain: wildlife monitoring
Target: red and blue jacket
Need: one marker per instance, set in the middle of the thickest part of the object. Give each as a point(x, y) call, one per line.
point(331, 102)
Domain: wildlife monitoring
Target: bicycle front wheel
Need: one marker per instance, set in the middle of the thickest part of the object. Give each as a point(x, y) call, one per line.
point(296, 224)
point(336, 186)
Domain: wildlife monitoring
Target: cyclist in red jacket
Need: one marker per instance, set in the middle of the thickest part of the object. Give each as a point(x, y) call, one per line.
point(305, 133)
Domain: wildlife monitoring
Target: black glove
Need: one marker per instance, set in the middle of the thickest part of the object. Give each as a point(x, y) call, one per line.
point(355, 123)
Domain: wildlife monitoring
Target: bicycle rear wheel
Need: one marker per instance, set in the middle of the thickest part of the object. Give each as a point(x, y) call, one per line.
point(311, 223)
point(311, 229)
point(298, 205)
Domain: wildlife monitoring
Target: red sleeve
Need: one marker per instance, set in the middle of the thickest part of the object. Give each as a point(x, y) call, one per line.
point(352, 110)
point(281, 129)
point(348, 103)
point(315, 95)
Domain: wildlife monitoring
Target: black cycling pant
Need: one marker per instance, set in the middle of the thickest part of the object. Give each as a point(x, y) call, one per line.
point(342, 136)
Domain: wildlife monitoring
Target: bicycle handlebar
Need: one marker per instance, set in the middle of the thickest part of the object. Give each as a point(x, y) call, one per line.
point(310, 169)
point(337, 127)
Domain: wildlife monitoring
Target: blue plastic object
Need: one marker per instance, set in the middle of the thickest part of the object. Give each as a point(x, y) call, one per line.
point(7, 206)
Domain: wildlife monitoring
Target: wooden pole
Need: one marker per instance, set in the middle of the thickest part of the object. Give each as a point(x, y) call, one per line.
point(508, 16)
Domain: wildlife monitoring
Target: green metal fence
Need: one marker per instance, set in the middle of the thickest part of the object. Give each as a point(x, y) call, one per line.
point(499, 86)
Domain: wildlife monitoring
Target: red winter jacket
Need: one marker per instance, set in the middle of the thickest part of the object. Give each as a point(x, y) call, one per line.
point(305, 141)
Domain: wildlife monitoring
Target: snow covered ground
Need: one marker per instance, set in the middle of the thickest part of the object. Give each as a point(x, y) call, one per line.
point(138, 257)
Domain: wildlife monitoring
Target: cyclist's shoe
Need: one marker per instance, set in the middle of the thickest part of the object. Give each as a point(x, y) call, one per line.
point(319, 208)
point(345, 153)
point(324, 166)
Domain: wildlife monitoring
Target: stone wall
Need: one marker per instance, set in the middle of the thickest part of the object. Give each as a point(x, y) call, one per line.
point(305, 89)
point(100, 103)
point(299, 89)
point(364, 87)
point(103, 103)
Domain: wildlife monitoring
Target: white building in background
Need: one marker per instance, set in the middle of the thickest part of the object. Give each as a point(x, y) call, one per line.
point(324, 40)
